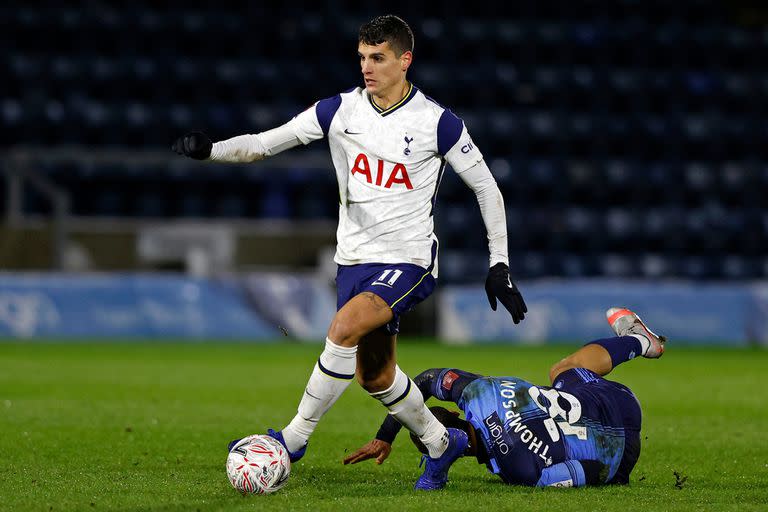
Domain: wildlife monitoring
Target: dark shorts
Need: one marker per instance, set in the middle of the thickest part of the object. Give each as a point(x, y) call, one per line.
point(401, 285)
point(619, 402)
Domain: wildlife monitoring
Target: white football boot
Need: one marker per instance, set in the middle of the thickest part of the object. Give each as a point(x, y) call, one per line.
point(626, 323)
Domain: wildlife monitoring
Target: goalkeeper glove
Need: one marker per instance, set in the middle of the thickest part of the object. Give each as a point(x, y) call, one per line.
point(195, 145)
point(498, 284)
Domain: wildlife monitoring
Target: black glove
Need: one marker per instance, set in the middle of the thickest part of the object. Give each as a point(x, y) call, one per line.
point(498, 284)
point(195, 145)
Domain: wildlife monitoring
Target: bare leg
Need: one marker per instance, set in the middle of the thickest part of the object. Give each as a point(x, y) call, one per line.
point(363, 314)
point(633, 338)
point(592, 357)
point(376, 361)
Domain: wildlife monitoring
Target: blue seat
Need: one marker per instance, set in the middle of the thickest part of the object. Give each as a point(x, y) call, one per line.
point(737, 267)
point(617, 265)
point(620, 224)
point(700, 177)
point(454, 266)
point(577, 265)
point(656, 265)
point(531, 265)
point(699, 267)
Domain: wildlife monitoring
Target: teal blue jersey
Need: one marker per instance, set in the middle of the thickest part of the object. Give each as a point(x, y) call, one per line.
point(582, 430)
point(537, 435)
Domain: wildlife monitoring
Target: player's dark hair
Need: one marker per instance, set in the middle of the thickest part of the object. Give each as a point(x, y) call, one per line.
point(448, 418)
point(389, 28)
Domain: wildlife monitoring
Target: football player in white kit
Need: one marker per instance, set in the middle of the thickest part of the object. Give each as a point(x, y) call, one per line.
point(389, 144)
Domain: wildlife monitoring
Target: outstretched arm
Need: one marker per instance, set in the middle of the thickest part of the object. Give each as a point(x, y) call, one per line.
point(240, 149)
point(312, 124)
point(250, 148)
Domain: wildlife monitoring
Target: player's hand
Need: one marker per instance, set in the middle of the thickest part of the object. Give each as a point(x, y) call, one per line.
point(195, 145)
point(498, 284)
point(376, 448)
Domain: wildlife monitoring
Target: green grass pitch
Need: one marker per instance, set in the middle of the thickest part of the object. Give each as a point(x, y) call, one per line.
point(144, 426)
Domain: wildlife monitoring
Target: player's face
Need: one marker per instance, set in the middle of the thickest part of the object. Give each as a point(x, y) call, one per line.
point(382, 69)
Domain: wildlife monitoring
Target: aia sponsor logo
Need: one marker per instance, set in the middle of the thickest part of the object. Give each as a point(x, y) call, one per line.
point(382, 177)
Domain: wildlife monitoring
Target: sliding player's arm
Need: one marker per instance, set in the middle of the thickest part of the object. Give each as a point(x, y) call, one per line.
point(381, 446)
point(441, 383)
point(312, 124)
point(458, 149)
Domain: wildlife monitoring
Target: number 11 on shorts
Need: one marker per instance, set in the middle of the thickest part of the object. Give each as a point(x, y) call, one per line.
point(391, 281)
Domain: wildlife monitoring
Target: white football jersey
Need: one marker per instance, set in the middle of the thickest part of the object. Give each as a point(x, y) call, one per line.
point(389, 164)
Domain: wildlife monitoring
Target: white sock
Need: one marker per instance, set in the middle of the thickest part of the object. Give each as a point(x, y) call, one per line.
point(333, 372)
point(645, 343)
point(406, 403)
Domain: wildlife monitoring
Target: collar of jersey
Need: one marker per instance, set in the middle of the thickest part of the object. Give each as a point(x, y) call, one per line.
point(385, 112)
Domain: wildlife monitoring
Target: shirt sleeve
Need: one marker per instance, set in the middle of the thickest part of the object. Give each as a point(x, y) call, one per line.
point(314, 123)
point(250, 148)
point(478, 177)
point(454, 143)
point(307, 126)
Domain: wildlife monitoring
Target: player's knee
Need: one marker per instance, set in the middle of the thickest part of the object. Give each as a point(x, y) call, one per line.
point(559, 367)
point(344, 332)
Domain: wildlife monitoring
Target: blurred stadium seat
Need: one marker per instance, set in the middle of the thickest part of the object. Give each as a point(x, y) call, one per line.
point(629, 139)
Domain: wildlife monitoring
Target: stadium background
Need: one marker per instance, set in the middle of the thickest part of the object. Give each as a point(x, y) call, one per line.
point(627, 137)
point(144, 297)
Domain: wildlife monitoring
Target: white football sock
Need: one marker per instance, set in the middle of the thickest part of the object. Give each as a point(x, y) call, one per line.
point(333, 372)
point(645, 343)
point(406, 403)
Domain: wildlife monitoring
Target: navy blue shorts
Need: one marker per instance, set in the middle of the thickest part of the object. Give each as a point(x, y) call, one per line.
point(401, 285)
point(618, 404)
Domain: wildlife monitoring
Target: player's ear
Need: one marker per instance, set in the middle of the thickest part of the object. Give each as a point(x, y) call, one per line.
point(405, 60)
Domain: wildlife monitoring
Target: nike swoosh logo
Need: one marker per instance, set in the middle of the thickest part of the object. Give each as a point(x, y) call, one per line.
point(346, 130)
point(509, 283)
point(381, 284)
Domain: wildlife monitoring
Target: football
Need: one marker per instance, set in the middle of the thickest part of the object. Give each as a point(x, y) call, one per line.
point(258, 464)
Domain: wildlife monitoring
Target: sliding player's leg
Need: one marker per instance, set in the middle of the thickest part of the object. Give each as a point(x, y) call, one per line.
point(633, 338)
